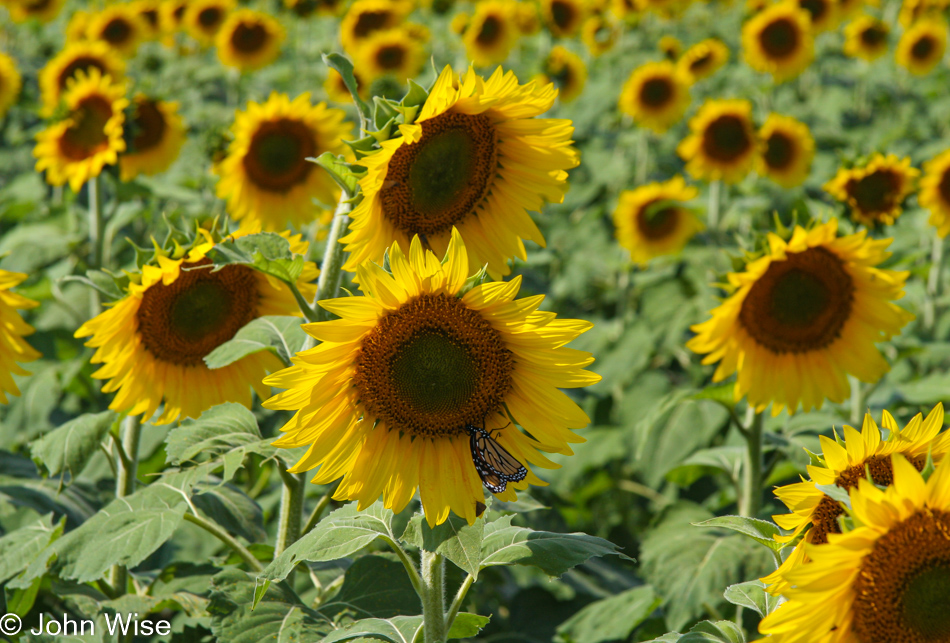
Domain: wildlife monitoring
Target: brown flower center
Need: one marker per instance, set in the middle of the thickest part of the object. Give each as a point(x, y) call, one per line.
point(878, 192)
point(727, 138)
point(80, 63)
point(490, 32)
point(431, 367)
point(656, 223)
point(148, 126)
point(799, 304)
point(923, 48)
point(86, 135)
point(249, 38)
point(656, 92)
point(182, 322)
point(700, 64)
point(210, 18)
point(817, 9)
point(442, 178)
point(780, 39)
point(779, 151)
point(874, 36)
point(391, 57)
point(563, 14)
point(944, 186)
point(117, 31)
point(276, 159)
point(370, 21)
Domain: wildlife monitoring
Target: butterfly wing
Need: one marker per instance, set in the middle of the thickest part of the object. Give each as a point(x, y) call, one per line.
point(495, 465)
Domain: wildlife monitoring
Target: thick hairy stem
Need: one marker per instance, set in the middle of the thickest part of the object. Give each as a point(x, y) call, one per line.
point(751, 500)
point(96, 225)
point(127, 461)
point(291, 511)
point(432, 567)
point(227, 539)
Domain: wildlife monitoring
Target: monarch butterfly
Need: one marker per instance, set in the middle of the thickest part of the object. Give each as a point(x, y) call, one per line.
point(496, 467)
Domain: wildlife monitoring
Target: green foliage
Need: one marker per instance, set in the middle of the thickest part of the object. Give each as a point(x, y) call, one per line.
point(266, 252)
point(68, 448)
point(282, 336)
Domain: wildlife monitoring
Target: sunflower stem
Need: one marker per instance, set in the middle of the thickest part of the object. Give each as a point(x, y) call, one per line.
point(291, 511)
point(127, 461)
point(712, 212)
point(317, 512)
point(227, 539)
point(432, 567)
point(933, 284)
point(302, 303)
point(751, 500)
point(857, 400)
point(457, 602)
point(96, 226)
point(331, 270)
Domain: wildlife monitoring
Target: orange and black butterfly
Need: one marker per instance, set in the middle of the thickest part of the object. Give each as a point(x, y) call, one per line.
point(496, 467)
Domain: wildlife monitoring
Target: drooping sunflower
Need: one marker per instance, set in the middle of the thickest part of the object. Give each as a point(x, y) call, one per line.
point(152, 342)
point(203, 18)
point(40, 10)
point(249, 40)
point(10, 83)
point(787, 150)
point(866, 37)
point(935, 192)
point(475, 159)
point(803, 317)
point(779, 41)
point(875, 191)
point(118, 25)
point(670, 47)
point(843, 463)
point(266, 178)
point(599, 34)
point(704, 59)
point(76, 148)
point(656, 95)
point(79, 56)
point(492, 32)
point(364, 17)
point(884, 580)
point(563, 18)
point(823, 14)
point(385, 399)
point(154, 136)
point(922, 46)
point(567, 71)
point(13, 348)
point(652, 220)
point(392, 52)
point(722, 144)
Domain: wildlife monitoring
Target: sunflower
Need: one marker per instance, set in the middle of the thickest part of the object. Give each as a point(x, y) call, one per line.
point(364, 17)
point(875, 191)
point(385, 399)
point(627, 10)
point(78, 25)
point(567, 71)
point(203, 18)
point(118, 25)
point(266, 177)
point(704, 59)
point(40, 10)
point(845, 9)
point(150, 13)
point(475, 159)
point(935, 192)
point(76, 148)
point(787, 150)
point(914, 10)
point(779, 41)
point(249, 40)
point(10, 83)
point(823, 14)
point(814, 515)
point(803, 317)
point(670, 47)
point(79, 56)
point(884, 580)
point(922, 46)
point(492, 32)
point(13, 348)
point(599, 34)
point(866, 37)
point(155, 134)
point(651, 221)
point(722, 145)
point(656, 95)
point(527, 18)
point(172, 17)
point(392, 52)
point(306, 8)
point(665, 8)
point(563, 17)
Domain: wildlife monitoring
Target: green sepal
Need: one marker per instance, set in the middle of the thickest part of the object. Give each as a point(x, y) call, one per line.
point(475, 280)
point(415, 97)
point(384, 112)
point(346, 175)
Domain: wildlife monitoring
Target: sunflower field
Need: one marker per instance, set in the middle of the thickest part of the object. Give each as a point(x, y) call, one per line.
point(515, 321)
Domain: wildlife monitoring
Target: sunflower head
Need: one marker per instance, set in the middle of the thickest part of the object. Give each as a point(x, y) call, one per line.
point(365, 17)
point(866, 37)
point(492, 32)
point(653, 221)
point(172, 17)
point(779, 41)
point(670, 47)
point(804, 316)
point(203, 18)
point(151, 14)
point(704, 59)
point(600, 34)
point(722, 143)
point(823, 14)
point(922, 46)
point(40, 10)
point(81, 56)
point(527, 18)
point(629, 11)
point(475, 159)
point(567, 71)
point(386, 399)
point(875, 191)
point(935, 192)
point(120, 26)
point(249, 40)
point(89, 137)
point(154, 134)
point(787, 150)
point(10, 83)
point(563, 17)
point(656, 95)
point(392, 52)
point(12, 331)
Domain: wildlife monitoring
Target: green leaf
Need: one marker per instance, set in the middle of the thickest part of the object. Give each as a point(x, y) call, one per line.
point(20, 600)
point(267, 252)
point(553, 553)
point(375, 586)
point(836, 493)
point(612, 618)
point(752, 594)
point(722, 631)
point(20, 547)
point(400, 629)
point(345, 68)
point(280, 335)
point(340, 171)
point(232, 509)
point(729, 460)
point(455, 539)
point(467, 625)
point(68, 448)
point(761, 531)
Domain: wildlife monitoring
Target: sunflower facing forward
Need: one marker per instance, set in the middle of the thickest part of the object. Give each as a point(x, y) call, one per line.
point(787, 150)
point(13, 348)
point(10, 83)
point(779, 41)
point(152, 343)
point(365, 17)
point(475, 159)
point(385, 399)
point(249, 40)
point(492, 32)
point(922, 46)
point(76, 148)
point(884, 580)
point(154, 136)
point(76, 57)
point(803, 317)
point(563, 17)
point(935, 192)
point(656, 95)
point(722, 144)
point(120, 26)
point(866, 37)
point(653, 221)
point(875, 191)
point(266, 177)
point(203, 18)
point(391, 52)
point(567, 71)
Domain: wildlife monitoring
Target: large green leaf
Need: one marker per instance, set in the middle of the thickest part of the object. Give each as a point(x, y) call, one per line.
point(19, 547)
point(232, 509)
point(68, 448)
point(610, 619)
point(752, 594)
point(761, 531)
point(280, 335)
point(267, 252)
point(405, 629)
point(375, 586)
point(455, 539)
